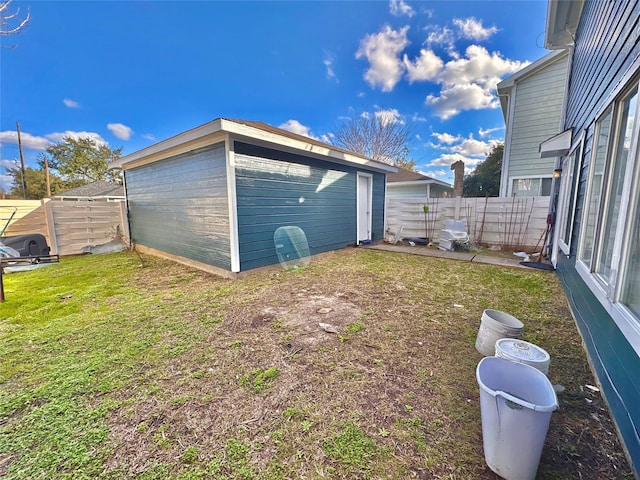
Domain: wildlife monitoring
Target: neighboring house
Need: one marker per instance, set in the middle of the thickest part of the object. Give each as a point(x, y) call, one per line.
point(406, 183)
point(596, 239)
point(98, 190)
point(213, 196)
point(532, 102)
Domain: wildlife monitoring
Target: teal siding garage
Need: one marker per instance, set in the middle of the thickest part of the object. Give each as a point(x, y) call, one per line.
point(275, 189)
point(213, 197)
point(179, 205)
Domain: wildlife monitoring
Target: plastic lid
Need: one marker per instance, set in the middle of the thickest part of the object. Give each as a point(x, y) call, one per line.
point(521, 350)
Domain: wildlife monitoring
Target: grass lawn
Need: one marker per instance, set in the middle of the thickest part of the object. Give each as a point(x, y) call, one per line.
point(119, 366)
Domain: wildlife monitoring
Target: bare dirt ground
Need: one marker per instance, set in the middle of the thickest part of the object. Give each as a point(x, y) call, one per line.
point(252, 386)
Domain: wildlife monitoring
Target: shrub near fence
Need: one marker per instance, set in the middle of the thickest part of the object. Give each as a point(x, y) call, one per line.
point(513, 223)
point(69, 226)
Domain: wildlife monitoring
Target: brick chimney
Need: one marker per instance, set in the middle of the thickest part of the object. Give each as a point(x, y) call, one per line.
point(458, 177)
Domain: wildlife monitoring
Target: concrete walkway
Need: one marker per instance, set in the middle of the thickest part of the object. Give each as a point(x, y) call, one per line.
point(463, 256)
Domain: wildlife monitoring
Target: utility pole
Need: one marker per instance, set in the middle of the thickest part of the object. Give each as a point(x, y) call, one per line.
point(46, 175)
point(24, 181)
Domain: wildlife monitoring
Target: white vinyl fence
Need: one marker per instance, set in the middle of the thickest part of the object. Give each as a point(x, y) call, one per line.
point(512, 223)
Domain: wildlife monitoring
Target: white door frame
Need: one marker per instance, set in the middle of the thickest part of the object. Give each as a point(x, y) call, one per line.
point(360, 235)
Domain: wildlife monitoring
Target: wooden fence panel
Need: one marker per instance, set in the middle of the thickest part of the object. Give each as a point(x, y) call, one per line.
point(512, 223)
point(78, 224)
point(69, 226)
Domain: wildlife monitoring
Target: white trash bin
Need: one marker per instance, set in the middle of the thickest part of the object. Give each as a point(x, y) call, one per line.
point(516, 402)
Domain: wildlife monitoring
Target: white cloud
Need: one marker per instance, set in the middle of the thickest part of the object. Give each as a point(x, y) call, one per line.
point(446, 159)
point(328, 63)
point(426, 67)
point(361, 94)
point(455, 98)
point(382, 50)
point(455, 147)
point(60, 136)
point(30, 142)
point(390, 116)
point(438, 146)
point(443, 37)
point(148, 136)
point(472, 29)
point(473, 147)
point(427, 12)
point(442, 173)
point(446, 137)
point(6, 181)
point(294, 126)
point(469, 83)
point(479, 67)
point(418, 118)
point(484, 132)
point(399, 7)
point(120, 130)
point(71, 103)
point(327, 138)
point(40, 143)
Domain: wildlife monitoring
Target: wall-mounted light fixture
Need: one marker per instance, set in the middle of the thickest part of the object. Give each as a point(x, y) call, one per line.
point(557, 173)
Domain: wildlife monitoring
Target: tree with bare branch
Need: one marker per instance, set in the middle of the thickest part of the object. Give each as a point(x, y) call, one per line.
point(11, 23)
point(379, 137)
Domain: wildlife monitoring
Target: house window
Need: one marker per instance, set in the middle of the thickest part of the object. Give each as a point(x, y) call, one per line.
point(592, 200)
point(609, 249)
point(631, 284)
point(617, 168)
point(531, 187)
point(567, 198)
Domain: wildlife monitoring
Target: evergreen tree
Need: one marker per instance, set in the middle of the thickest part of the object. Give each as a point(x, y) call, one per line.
point(484, 181)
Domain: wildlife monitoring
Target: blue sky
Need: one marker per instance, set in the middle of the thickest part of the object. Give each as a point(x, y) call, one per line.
point(134, 73)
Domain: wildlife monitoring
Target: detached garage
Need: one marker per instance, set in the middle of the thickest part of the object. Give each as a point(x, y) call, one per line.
point(212, 197)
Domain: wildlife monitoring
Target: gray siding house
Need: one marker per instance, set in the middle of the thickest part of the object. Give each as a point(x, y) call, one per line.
point(596, 239)
point(406, 183)
point(98, 190)
point(532, 102)
point(212, 197)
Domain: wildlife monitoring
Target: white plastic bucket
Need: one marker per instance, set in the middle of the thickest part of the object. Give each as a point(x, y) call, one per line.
point(495, 325)
point(516, 402)
point(523, 352)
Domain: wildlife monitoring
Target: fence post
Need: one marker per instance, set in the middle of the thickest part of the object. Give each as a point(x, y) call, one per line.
point(124, 223)
point(51, 226)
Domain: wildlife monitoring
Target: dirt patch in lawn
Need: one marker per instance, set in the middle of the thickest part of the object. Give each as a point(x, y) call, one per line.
point(244, 382)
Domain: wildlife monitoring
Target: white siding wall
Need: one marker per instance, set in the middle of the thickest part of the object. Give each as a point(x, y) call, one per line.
point(537, 115)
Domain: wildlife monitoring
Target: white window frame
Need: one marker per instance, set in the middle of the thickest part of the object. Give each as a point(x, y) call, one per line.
point(610, 283)
point(587, 196)
point(568, 194)
point(609, 295)
point(530, 177)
